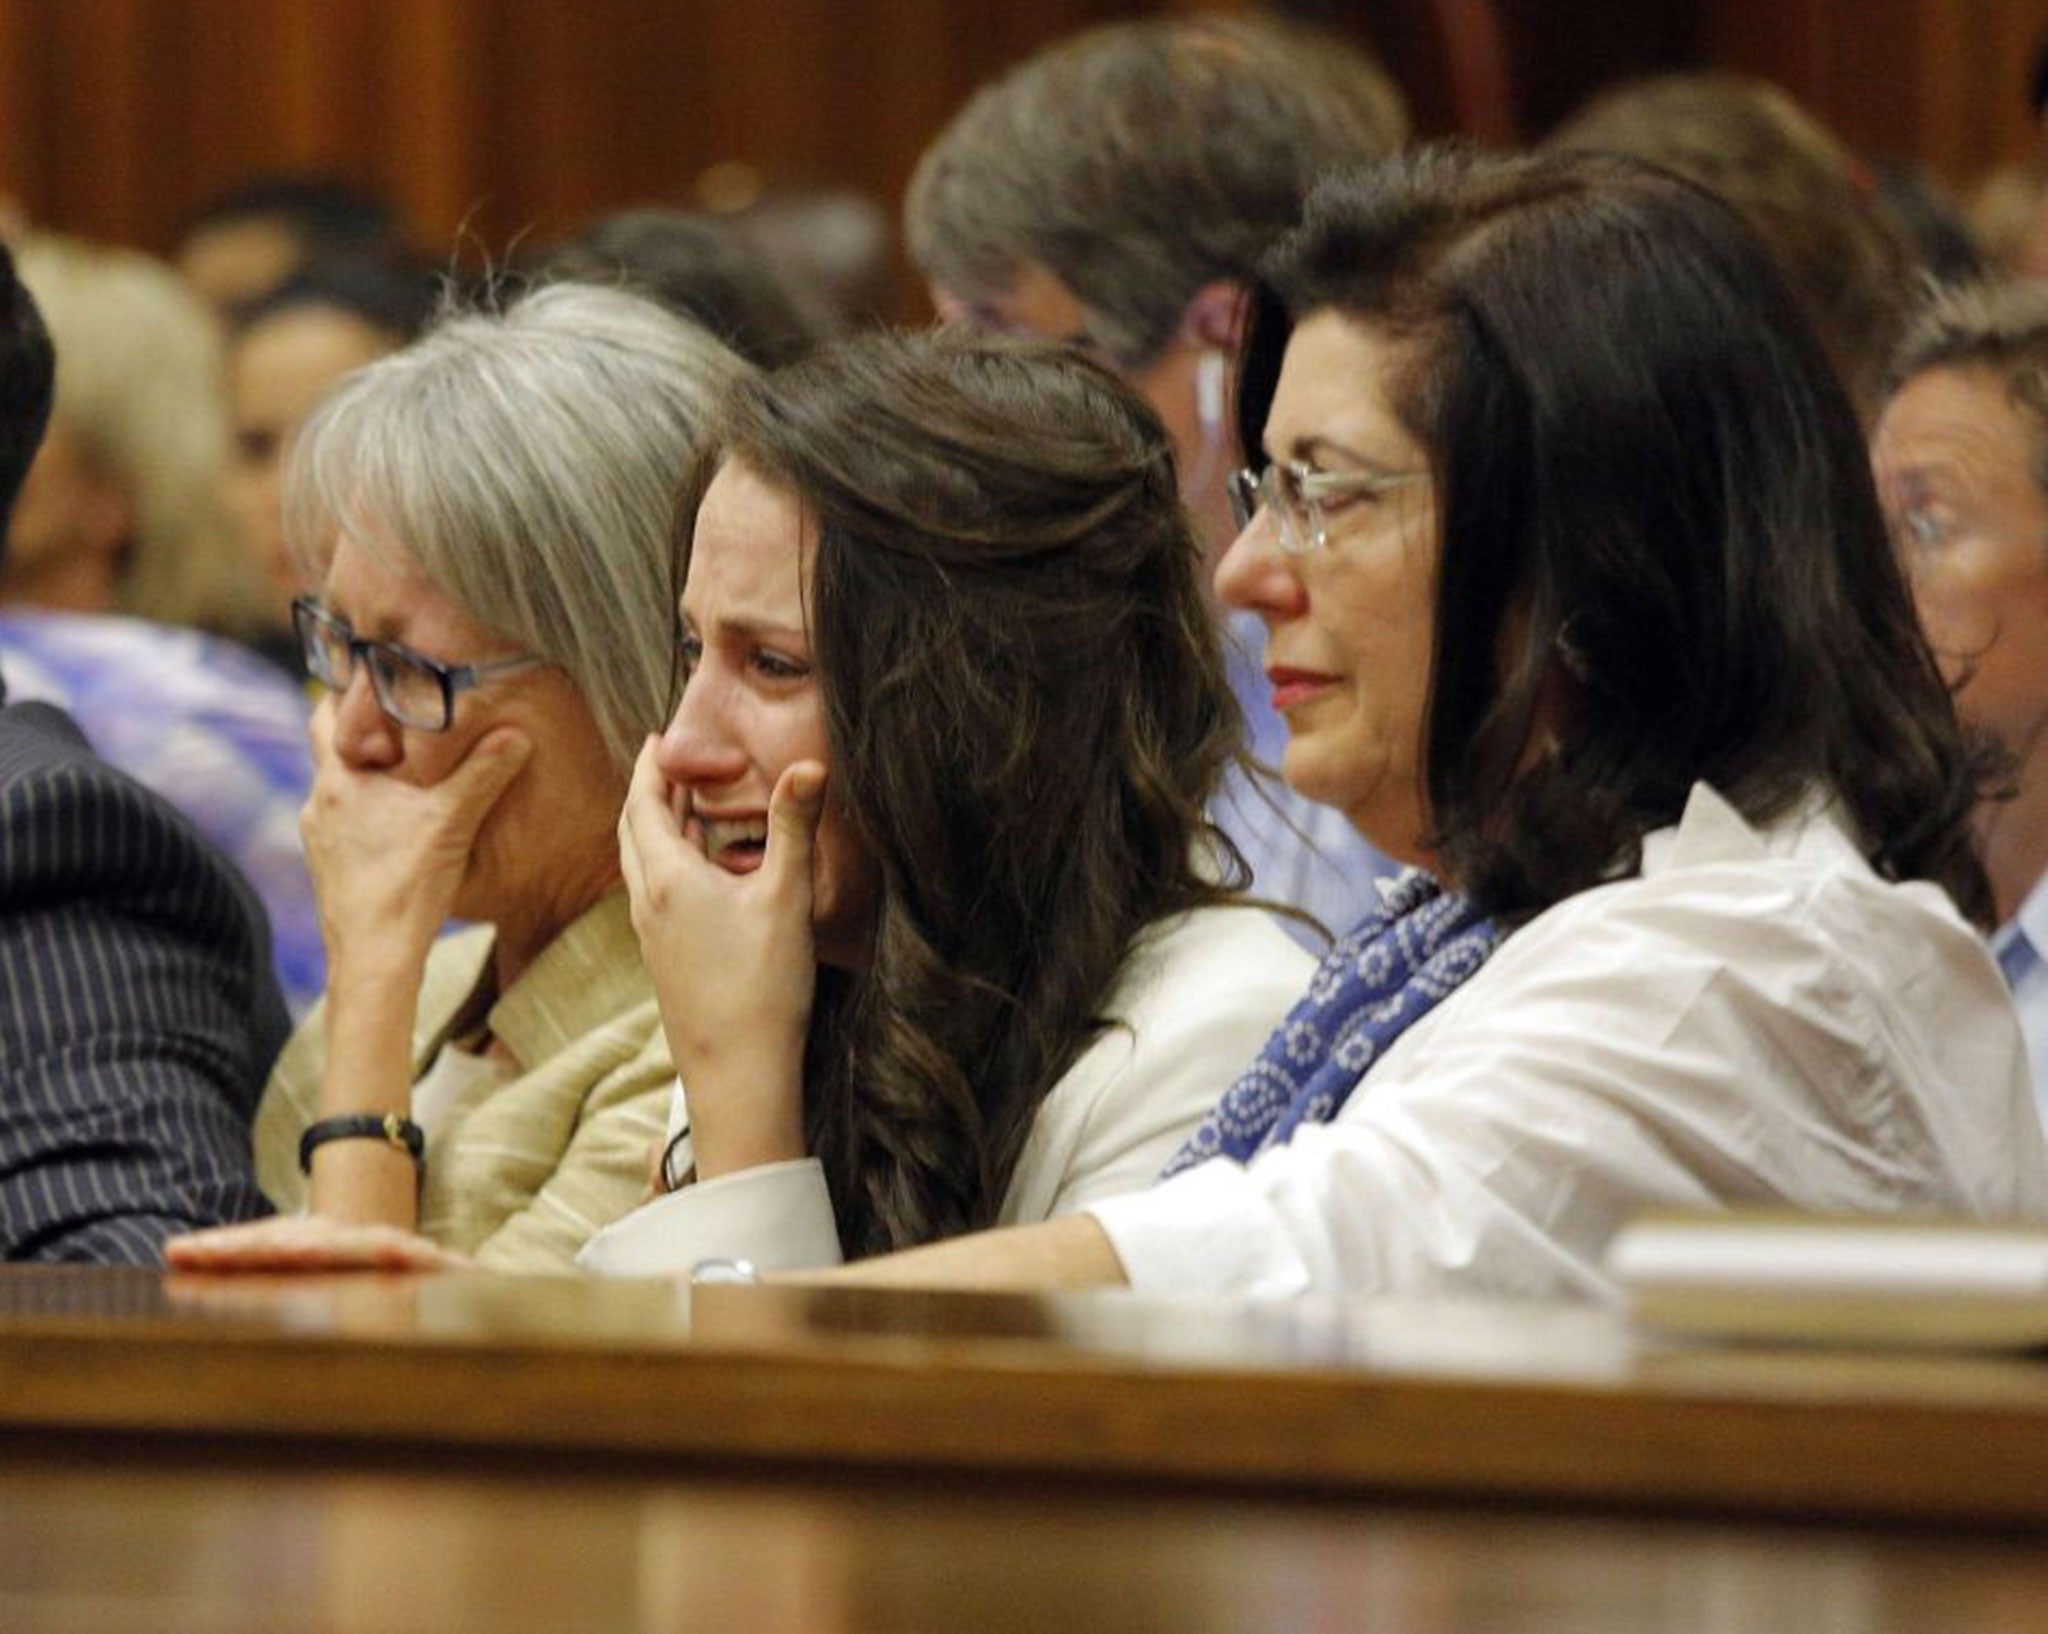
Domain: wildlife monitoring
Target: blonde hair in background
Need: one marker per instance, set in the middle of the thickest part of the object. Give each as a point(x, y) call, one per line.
point(140, 384)
point(530, 461)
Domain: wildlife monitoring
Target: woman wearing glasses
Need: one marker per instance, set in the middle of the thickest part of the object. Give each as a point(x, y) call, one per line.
point(941, 932)
point(1579, 600)
point(492, 514)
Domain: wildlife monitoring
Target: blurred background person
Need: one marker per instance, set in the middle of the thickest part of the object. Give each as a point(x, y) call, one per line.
point(286, 350)
point(138, 1014)
point(703, 268)
point(1114, 193)
point(2010, 207)
point(830, 246)
point(125, 592)
point(1928, 221)
point(1799, 189)
point(122, 509)
point(1962, 464)
point(241, 243)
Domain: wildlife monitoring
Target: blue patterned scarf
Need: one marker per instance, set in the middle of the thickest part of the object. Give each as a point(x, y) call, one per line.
point(1404, 959)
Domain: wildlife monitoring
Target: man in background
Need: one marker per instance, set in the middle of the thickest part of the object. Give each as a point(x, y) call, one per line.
point(138, 1014)
point(1962, 463)
point(1115, 193)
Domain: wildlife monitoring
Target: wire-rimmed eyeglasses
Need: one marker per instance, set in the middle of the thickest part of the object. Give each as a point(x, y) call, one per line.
point(1295, 493)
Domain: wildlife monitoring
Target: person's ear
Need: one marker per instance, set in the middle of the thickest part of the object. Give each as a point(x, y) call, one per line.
point(1214, 318)
point(1212, 324)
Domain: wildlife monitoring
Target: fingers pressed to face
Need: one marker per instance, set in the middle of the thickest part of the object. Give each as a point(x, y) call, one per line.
point(490, 766)
point(650, 838)
point(794, 810)
point(646, 809)
point(647, 782)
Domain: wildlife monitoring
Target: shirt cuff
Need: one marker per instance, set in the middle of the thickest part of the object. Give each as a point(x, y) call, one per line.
point(776, 1215)
point(1208, 1231)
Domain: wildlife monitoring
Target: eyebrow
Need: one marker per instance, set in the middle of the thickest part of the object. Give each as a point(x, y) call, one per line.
point(1305, 449)
point(1939, 470)
point(390, 629)
point(752, 629)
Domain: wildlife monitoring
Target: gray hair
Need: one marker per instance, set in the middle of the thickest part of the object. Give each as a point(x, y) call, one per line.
point(1991, 325)
point(531, 461)
point(1139, 161)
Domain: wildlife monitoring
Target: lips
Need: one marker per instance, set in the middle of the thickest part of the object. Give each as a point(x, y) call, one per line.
point(1292, 687)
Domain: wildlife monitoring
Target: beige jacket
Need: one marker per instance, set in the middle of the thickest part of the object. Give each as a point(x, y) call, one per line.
point(523, 1172)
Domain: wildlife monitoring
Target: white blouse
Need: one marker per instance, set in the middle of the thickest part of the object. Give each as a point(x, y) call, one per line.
point(1195, 1001)
point(1756, 1018)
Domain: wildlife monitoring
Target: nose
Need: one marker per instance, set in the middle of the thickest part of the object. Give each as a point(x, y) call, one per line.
point(1257, 576)
point(364, 736)
point(700, 748)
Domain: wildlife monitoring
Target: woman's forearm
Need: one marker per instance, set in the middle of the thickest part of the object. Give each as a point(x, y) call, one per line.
point(368, 1070)
point(1070, 1252)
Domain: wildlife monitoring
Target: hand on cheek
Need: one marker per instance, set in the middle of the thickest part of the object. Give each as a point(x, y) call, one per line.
point(387, 855)
point(732, 962)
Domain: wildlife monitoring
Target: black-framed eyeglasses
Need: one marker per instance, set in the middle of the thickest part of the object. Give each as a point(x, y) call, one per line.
point(411, 688)
point(1295, 493)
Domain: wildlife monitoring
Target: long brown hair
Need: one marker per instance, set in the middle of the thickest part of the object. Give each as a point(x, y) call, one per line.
point(1028, 713)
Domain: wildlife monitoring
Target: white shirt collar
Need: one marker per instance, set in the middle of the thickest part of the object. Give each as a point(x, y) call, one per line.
point(1710, 830)
point(2032, 919)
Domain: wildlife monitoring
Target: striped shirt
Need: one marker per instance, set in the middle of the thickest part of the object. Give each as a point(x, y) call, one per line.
point(138, 1013)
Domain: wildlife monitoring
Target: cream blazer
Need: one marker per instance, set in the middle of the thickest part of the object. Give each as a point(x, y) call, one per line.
point(1197, 997)
point(521, 1172)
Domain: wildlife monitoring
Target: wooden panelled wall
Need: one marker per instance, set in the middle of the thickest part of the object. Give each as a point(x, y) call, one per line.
point(484, 118)
point(1942, 83)
point(510, 116)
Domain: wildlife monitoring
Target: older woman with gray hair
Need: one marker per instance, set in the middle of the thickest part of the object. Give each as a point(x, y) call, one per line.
point(492, 516)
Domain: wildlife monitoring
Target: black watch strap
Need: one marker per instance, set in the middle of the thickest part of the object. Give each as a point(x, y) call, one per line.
point(398, 1131)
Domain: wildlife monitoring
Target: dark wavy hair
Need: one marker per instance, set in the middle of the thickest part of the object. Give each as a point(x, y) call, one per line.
point(1028, 713)
point(1659, 529)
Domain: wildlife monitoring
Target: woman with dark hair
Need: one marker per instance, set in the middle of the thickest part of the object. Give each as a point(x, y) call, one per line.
point(1579, 600)
point(942, 935)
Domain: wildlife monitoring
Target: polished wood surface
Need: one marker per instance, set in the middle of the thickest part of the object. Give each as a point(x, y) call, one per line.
point(1498, 1403)
point(389, 1453)
point(217, 1544)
